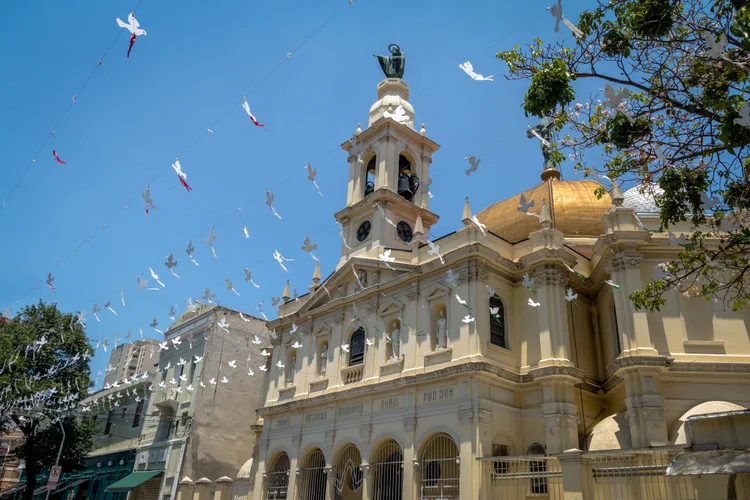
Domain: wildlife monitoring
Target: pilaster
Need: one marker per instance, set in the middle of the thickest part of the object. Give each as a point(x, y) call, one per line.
point(367, 484)
point(411, 464)
point(331, 486)
point(465, 460)
point(645, 407)
point(559, 413)
point(554, 338)
point(635, 338)
point(576, 476)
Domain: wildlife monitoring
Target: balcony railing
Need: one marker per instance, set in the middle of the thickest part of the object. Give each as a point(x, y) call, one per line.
point(352, 374)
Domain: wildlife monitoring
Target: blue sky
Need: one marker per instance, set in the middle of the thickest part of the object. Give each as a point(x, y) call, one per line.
point(134, 116)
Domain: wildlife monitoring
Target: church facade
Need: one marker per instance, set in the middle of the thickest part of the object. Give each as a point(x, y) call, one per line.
point(397, 376)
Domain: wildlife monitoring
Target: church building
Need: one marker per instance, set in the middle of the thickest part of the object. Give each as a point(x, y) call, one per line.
point(421, 361)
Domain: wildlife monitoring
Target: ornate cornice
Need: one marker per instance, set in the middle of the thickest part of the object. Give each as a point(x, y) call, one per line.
point(551, 277)
point(625, 260)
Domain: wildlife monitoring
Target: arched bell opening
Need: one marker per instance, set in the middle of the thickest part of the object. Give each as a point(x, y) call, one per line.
point(408, 182)
point(370, 175)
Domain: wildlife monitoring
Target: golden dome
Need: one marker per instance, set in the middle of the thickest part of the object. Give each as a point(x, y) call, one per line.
point(574, 207)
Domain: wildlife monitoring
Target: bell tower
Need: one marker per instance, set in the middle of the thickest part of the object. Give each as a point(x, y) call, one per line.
point(389, 174)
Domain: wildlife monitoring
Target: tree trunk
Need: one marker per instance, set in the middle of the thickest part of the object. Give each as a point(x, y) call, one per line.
point(29, 457)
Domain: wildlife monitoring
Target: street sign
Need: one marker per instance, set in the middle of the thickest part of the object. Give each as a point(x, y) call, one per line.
point(54, 477)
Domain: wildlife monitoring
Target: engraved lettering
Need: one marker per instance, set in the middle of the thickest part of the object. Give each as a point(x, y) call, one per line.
point(283, 422)
point(315, 416)
point(351, 410)
point(388, 403)
point(434, 395)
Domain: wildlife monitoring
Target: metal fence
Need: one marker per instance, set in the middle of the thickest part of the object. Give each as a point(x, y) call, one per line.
point(388, 477)
point(638, 475)
point(523, 476)
point(277, 479)
point(312, 477)
point(439, 468)
point(241, 489)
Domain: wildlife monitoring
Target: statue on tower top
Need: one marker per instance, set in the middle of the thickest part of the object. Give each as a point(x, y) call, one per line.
point(393, 65)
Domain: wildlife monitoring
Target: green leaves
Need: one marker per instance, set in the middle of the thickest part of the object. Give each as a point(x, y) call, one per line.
point(550, 89)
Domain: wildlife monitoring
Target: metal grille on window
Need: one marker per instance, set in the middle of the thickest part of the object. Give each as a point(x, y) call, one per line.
point(537, 468)
point(357, 347)
point(311, 478)
point(277, 478)
point(388, 472)
point(497, 322)
point(348, 478)
point(439, 468)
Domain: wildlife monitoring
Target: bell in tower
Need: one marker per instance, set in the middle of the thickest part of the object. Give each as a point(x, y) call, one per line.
point(388, 164)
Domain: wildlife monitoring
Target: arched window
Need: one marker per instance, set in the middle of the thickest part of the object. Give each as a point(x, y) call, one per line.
point(537, 468)
point(348, 479)
point(500, 449)
point(408, 182)
point(312, 477)
point(277, 478)
point(497, 322)
point(387, 472)
point(370, 175)
point(357, 347)
point(439, 464)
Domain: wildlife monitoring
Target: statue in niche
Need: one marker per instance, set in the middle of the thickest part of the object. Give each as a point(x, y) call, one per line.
point(393, 65)
point(362, 278)
point(290, 373)
point(440, 332)
point(395, 341)
point(324, 360)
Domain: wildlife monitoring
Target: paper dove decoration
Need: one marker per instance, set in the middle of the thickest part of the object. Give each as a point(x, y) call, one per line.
point(481, 226)
point(181, 175)
point(49, 281)
point(527, 282)
point(146, 195)
point(296, 345)
point(249, 277)
point(244, 227)
point(461, 301)
point(246, 106)
point(207, 296)
point(345, 347)
point(523, 205)
point(557, 13)
point(570, 296)
point(232, 364)
point(264, 353)
point(715, 45)
point(198, 359)
point(176, 341)
point(469, 70)
point(744, 119)
point(473, 162)
point(210, 240)
point(190, 250)
point(263, 369)
point(435, 250)
point(57, 158)
point(311, 173)
point(613, 285)
point(154, 324)
point(133, 26)
point(223, 324)
point(280, 364)
point(468, 319)
point(386, 258)
point(399, 115)
point(122, 296)
point(534, 304)
point(243, 318)
point(269, 202)
point(94, 311)
point(369, 342)
point(107, 305)
point(212, 381)
point(281, 259)
point(614, 100)
point(250, 372)
point(230, 287)
point(156, 277)
point(224, 380)
point(171, 264)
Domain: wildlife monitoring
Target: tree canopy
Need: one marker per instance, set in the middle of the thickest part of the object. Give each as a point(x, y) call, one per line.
point(673, 118)
point(45, 372)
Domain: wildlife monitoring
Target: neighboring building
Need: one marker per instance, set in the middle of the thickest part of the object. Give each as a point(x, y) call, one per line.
point(131, 358)
point(445, 373)
point(202, 430)
point(10, 470)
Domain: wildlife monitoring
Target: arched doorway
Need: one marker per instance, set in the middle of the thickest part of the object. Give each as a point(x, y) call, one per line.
point(348, 475)
point(388, 472)
point(277, 478)
point(311, 482)
point(439, 465)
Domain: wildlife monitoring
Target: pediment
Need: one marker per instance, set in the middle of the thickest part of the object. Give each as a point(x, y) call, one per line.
point(437, 291)
point(322, 330)
point(391, 307)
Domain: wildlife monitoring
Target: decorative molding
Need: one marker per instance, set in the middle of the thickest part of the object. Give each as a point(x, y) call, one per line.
point(390, 307)
point(485, 417)
point(410, 424)
point(439, 355)
point(375, 278)
point(416, 465)
point(550, 277)
point(437, 291)
point(625, 260)
point(466, 416)
point(366, 468)
point(413, 293)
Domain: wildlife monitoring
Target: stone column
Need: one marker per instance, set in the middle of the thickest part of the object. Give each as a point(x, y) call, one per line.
point(202, 489)
point(554, 337)
point(411, 463)
point(645, 407)
point(465, 460)
point(331, 478)
point(387, 174)
point(185, 489)
point(635, 338)
point(559, 413)
point(293, 461)
point(224, 488)
point(367, 483)
point(576, 476)
point(356, 187)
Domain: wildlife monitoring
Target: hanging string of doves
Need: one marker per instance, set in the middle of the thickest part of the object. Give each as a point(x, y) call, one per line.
point(47, 402)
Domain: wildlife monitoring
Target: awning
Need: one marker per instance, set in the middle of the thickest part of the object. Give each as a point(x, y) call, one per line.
point(71, 485)
point(132, 481)
point(710, 462)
